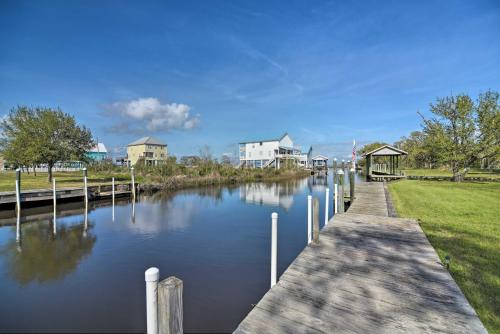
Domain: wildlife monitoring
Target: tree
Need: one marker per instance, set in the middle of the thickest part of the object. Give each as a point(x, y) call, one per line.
point(420, 154)
point(488, 126)
point(43, 135)
point(367, 148)
point(454, 132)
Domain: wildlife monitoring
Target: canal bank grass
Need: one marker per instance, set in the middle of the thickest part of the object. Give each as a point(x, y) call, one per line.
point(474, 172)
point(461, 220)
point(161, 180)
point(63, 180)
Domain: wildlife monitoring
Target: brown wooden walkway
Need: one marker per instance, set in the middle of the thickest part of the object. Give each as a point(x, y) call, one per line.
point(369, 274)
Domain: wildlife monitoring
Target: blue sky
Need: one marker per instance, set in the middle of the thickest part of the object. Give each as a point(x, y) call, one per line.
point(215, 73)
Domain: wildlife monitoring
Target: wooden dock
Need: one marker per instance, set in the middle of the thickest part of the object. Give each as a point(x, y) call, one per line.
point(34, 197)
point(370, 273)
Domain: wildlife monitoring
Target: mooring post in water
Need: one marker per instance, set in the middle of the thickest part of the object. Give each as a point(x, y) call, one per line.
point(335, 198)
point(170, 315)
point(18, 191)
point(54, 195)
point(335, 170)
point(133, 182)
point(309, 219)
point(274, 247)
point(351, 184)
point(316, 220)
point(341, 191)
point(327, 203)
point(113, 197)
point(152, 275)
point(85, 191)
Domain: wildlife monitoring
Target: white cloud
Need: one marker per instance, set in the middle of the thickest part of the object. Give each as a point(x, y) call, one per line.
point(151, 114)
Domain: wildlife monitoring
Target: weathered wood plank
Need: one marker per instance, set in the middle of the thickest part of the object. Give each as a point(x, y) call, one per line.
point(369, 273)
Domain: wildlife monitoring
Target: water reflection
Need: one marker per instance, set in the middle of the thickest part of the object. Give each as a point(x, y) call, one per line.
point(45, 257)
point(274, 194)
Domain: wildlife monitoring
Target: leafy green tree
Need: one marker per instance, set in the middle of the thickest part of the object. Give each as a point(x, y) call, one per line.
point(461, 131)
point(488, 126)
point(43, 135)
point(367, 148)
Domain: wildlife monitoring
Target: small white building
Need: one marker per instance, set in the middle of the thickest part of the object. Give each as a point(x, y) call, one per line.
point(272, 153)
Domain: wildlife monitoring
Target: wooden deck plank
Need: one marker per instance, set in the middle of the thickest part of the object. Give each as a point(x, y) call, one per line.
point(370, 273)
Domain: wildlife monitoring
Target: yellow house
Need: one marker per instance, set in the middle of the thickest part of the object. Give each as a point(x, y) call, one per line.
point(149, 149)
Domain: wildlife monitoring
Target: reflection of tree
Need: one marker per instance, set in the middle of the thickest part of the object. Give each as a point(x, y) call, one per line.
point(45, 257)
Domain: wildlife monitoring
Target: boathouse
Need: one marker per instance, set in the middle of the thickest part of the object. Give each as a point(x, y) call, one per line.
point(384, 163)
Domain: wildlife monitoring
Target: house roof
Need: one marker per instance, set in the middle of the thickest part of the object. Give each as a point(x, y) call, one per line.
point(147, 141)
point(320, 157)
point(266, 140)
point(99, 148)
point(386, 150)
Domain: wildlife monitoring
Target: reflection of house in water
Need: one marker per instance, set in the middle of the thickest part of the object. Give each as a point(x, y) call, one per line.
point(318, 182)
point(274, 194)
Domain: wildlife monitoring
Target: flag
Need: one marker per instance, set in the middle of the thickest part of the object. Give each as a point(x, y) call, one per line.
point(354, 154)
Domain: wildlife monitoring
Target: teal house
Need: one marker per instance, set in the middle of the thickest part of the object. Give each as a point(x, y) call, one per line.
point(98, 153)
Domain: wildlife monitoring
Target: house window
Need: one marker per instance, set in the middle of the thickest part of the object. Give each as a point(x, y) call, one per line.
point(260, 143)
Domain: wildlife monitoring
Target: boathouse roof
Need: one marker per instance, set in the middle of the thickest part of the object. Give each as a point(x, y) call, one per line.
point(99, 148)
point(385, 151)
point(265, 140)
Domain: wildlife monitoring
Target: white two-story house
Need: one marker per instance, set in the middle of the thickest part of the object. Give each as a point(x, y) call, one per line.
point(272, 153)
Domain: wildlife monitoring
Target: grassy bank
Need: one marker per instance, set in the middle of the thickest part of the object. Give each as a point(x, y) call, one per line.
point(461, 220)
point(474, 172)
point(166, 180)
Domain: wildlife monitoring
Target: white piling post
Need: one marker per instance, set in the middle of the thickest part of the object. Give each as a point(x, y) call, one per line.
point(18, 213)
point(133, 181)
point(309, 219)
point(336, 198)
point(85, 191)
point(327, 200)
point(113, 197)
point(18, 191)
point(274, 247)
point(152, 276)
point(54, 195)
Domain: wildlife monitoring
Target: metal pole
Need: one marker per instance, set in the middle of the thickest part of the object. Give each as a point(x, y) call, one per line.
point(327, 202)
point(309, 219)
point(54, 195)
point(274, 247)
point(152, 276)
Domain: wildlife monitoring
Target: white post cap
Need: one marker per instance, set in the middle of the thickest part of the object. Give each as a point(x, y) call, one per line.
point(152, 274)
point(340, 172)
point(352, 169)
point(18, 169)
point(274, 215)
point(309, 197)
point(84, 168)
point(132, 168)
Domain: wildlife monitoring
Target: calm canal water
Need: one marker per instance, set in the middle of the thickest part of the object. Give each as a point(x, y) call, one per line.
point(90, 275)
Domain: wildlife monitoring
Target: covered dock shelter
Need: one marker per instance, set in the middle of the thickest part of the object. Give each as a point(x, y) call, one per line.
point(384, 163)
point(320, 162)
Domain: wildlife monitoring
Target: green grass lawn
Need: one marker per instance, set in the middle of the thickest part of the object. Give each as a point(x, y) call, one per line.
point(461, 220)
point(474, 172)
point(63, 179)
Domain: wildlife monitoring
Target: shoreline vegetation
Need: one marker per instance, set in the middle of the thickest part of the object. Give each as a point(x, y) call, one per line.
point(170, 176)
point(461, 221)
